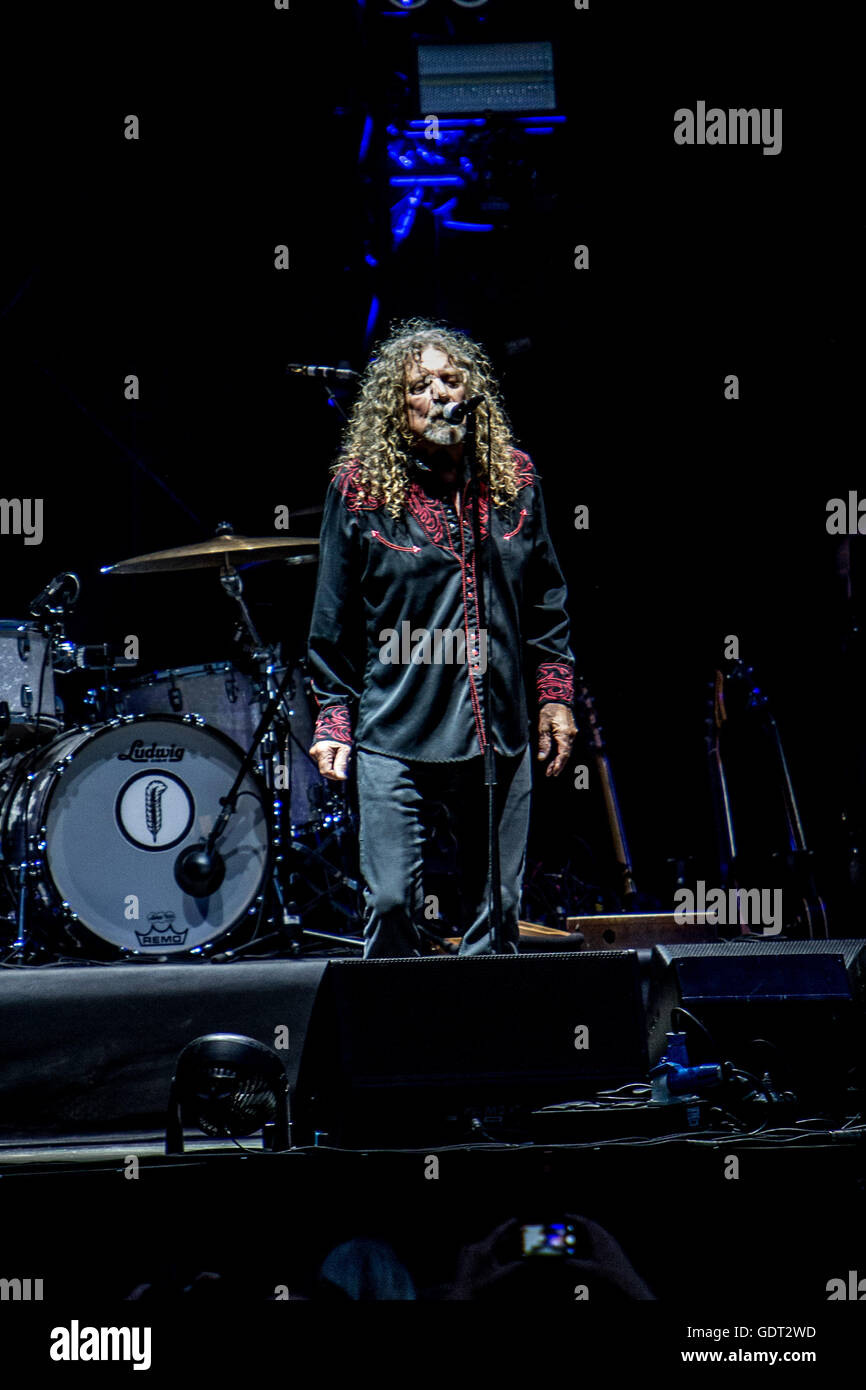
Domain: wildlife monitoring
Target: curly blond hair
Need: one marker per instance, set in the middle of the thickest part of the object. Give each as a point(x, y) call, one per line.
point(377, 440)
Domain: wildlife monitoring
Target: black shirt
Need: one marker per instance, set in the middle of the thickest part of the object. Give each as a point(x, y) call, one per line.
point(394, 648)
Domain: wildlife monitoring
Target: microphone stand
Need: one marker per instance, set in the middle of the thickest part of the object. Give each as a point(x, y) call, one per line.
point(198, 870)
point(493, 871)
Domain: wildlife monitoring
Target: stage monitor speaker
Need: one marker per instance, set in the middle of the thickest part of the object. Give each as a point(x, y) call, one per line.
point(90, 1051)
point(435, 1050)
point(790, 1008)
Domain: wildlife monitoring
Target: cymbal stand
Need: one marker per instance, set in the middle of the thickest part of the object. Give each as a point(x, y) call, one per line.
point(289, 928)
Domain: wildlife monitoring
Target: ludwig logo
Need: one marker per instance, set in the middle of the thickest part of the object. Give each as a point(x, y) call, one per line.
point(141, 752)
point(154, 810)
point(161, 931)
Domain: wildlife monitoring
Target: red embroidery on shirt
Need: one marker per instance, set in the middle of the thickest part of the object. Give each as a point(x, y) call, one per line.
point(357, 498)
point(523, 470)
point(412, 549)
point(555, 683)
point(508, 534)
point(483, 511)
point(425, 511)
point(334, 725)
point(474, 696)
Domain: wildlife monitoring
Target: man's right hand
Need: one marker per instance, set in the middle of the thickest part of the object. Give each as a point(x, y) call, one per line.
point(332, 759)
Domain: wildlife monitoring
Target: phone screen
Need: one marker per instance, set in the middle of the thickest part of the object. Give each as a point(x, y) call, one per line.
point(553, 1238)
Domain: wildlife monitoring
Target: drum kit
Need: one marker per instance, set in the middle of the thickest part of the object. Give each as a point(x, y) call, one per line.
point(185, 819)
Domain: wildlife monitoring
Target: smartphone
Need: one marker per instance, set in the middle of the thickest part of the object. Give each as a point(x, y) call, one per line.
point(548, 1238)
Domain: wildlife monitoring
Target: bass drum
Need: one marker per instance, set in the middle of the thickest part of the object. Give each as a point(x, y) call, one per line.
point(110, 809)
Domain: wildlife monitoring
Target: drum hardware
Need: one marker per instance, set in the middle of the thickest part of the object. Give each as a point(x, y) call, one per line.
point(295, 912)
point(21, 872)
point(72, 656)
point(92, 826)
point(55, 820)
point(225, 547)
point(296, 560)
point(220, 551)
point(199, 867)
point(341, 880)
point(58, 597)
point(101, 702)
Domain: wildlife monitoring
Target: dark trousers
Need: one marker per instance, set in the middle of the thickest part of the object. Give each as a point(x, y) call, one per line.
point(393, 796)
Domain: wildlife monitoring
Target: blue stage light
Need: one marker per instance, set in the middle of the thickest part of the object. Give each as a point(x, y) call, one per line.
point(429, 181)
point(403, 213)
point(469, 226)
point(457, 122)
point(366, 135)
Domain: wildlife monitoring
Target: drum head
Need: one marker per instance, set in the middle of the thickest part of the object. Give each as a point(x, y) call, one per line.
point(129, 799)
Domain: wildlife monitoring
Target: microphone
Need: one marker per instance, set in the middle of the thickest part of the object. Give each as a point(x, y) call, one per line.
point(456, 411)
point(199, 871)
point(61, 584)
point(324, 373)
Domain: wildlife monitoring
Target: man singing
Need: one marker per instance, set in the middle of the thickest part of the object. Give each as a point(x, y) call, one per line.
point(395, 648)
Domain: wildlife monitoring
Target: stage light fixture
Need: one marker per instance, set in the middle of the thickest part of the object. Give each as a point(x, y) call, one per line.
point(228, 1087)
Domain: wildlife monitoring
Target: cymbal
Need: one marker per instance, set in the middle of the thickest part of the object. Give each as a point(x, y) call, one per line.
point(222, 550)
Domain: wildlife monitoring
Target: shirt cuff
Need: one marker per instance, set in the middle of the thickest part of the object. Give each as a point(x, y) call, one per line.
point(555, 683)
point(333, 725)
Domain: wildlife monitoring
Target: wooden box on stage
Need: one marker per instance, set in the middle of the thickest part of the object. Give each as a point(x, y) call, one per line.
point(624, 931)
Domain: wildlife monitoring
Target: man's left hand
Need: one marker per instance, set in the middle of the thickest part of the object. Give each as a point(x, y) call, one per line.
point(555, 721)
